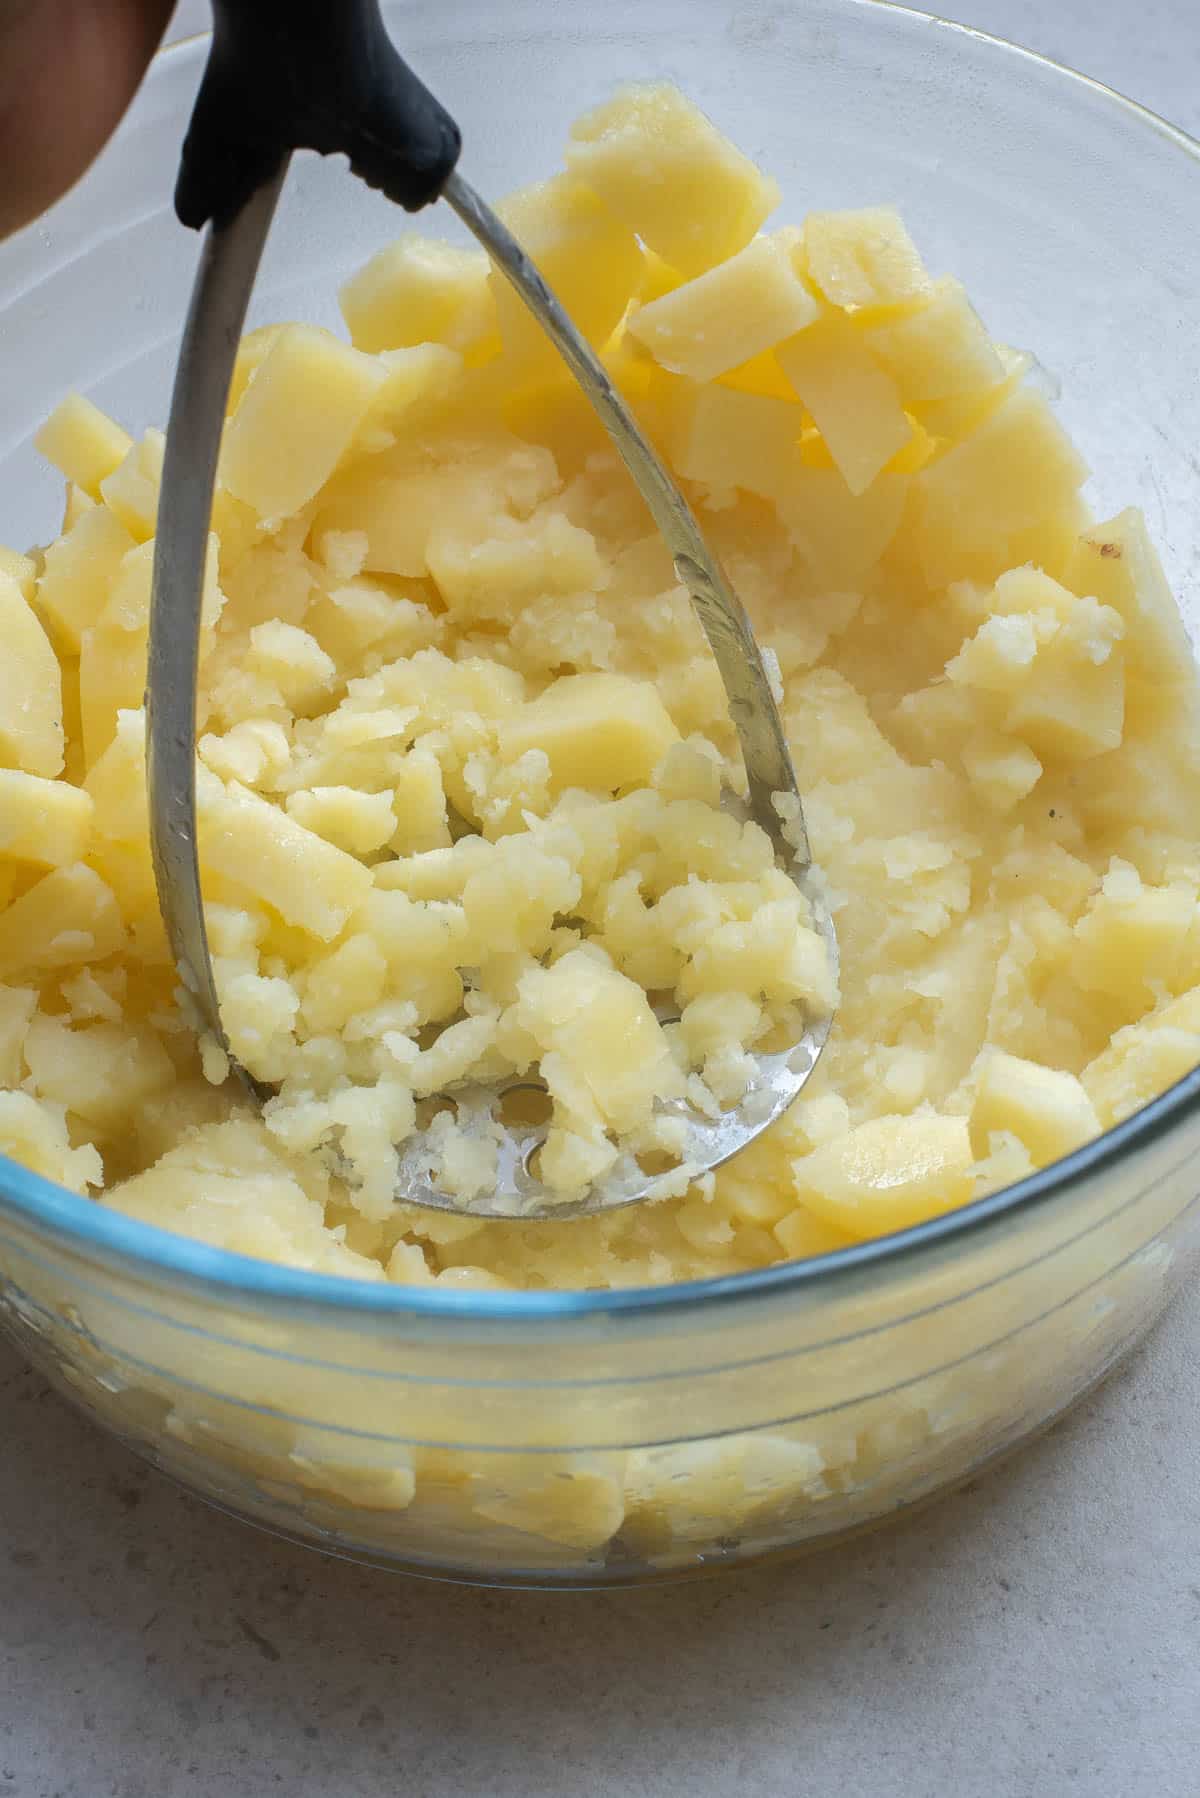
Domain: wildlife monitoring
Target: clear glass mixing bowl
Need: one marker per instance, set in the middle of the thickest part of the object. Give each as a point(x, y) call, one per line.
point(583, 1438)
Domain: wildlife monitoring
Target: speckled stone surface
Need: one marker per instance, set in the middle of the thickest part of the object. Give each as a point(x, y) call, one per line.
point(1035, 1636)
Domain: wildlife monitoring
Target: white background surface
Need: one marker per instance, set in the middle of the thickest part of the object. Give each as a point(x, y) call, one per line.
point(1036, 1636)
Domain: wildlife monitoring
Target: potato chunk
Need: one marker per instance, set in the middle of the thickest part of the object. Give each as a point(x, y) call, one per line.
point(1044, 1108)
point(78, 575)
point(887, 1174)
point(83, 442)
point(602, 731)
point(728, 314)
point(587, 255)
point(419, 291)
point(308, 881)
point(42, 821)
point(671, 176)
point(69, 918)
point(31, 708)
point(854, 402)
point(296, 420)
point(863, 258)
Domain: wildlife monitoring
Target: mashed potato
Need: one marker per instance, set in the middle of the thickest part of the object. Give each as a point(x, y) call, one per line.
point(463, 750)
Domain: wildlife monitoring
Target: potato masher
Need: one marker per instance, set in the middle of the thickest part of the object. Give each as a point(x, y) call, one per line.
point(323, 75)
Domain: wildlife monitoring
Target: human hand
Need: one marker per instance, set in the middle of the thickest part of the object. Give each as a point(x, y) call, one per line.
point(68, 70)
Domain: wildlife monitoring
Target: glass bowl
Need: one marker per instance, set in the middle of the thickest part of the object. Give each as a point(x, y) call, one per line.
point(593, 1438)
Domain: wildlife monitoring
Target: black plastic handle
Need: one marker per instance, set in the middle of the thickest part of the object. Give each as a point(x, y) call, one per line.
point(320, 75)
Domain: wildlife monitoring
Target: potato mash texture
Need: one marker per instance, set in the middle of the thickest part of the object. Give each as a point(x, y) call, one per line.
point(463, 749)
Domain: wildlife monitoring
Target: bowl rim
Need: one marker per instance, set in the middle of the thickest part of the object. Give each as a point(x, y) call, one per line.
point(147, 1250)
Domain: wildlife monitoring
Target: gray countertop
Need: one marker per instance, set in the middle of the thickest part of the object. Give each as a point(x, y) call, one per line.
point(1035, 1636)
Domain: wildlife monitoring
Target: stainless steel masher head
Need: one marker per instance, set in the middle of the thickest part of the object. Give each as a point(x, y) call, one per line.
point(323, 75)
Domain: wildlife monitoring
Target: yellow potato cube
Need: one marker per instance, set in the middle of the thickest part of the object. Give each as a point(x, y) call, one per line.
point(415, 384)
point(1117, 564)
point(98, 1071)
point(83, 442)
point(419, 805)
point(76, 504)
point(258, 847)
point(357, 822)
point(21, 569)
point(854, 403)
point(36, 1135)
point(297, 418)
point(17, 1006)
point(601, 731)
point(841, 535)
point(42, 821)
point(251, 351)
point(1144, 1059)
point(519, 560)
point(939, 352)
point(421, 291)
point(1016, 469)
point(112, 662)
point(342, 984)
point(1045, 1109)
point(592, 261)
point(294, 662)
point(887, 1174)
point(131, 491)
point(671, 176)
point(725, 316)
point(68, 918)
point(31, 712)
point(599, 1025)
point(78, 573)
point(1131, 939)
point(863, 258)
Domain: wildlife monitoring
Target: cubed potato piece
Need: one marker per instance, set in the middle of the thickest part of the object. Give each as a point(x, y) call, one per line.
point(250, 354)
point(494, 576)
point(296, 420)
point(17, 1006)
point(422, 942)
point(421, 291)
point(1131, 939)
point(1015, 470)
point(416, 383)
point(854, 403)
point(357, 822)
point(939, 352)
point(21, 569)
point(46, 822)
point(1044, 1108)
point(100, 1072)
point(294, 662)
point(83, 442)
point(419, 805)
point(802, 1234)
point(254, 844)
point(1074, 706)
point(1144, 1059)
point(587, 255)
point(1117, 564)
point(671, 176)
point(112, 662)
point(725, 316)
point(78, 574)
point(31, 710)
point(67, 918)
point(600, 731)
point(36, 1136)
point(841, 535)
point(887, 1174)
point(863, 258)
point(131, 491)
point(600, 1025)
